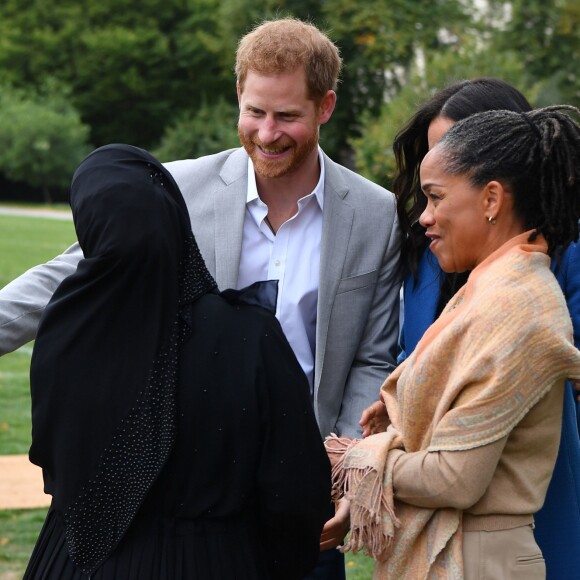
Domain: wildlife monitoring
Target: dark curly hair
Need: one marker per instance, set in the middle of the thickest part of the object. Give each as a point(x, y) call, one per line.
point(455, 102)
point(535, 154)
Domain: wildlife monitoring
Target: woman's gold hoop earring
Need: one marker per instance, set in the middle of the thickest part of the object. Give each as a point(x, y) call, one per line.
point(491, 220)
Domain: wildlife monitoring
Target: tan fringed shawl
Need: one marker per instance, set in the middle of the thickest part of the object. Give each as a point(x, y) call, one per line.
point(498, 347)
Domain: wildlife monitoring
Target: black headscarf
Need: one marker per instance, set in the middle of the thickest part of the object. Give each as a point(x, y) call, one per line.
point(104, 365)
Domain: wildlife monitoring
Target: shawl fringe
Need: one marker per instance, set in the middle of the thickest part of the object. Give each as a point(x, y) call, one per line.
point(373, 520)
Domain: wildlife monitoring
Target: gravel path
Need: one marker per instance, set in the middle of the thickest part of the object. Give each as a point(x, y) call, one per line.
point(56, 214)
point(21, 483)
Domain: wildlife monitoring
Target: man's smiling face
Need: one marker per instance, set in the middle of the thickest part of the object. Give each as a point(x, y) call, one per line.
point(278, 124)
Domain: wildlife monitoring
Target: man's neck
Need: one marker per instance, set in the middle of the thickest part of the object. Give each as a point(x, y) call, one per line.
point(281, 194)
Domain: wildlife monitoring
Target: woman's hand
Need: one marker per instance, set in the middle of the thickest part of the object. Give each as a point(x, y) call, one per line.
point(374, 419)
point(336, 528)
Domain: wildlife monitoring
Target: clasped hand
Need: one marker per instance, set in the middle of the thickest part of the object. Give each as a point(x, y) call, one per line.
point(373, 420)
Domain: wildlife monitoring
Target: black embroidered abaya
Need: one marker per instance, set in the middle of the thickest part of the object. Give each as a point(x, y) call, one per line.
point(173, 424)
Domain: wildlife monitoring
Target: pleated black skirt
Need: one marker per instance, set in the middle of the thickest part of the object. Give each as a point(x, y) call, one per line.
point(158, 549)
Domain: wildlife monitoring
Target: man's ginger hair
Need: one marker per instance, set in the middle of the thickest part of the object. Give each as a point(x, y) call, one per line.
point(285, 45)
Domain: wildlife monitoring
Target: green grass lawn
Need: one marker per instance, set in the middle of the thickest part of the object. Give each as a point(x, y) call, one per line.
point(26, 242)
point(18, 532)
point(359, 567)
point(15, 406)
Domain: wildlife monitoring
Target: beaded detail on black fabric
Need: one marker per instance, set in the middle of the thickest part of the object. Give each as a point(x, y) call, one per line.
point(156, 175)
point(196, 279)
point(97, 520)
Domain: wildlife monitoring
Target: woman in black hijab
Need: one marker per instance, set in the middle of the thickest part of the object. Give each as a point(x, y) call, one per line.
point(173, 424)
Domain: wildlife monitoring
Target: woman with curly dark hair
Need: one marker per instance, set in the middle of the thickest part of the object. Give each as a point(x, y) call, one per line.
point(450, 488)
point(427, 290)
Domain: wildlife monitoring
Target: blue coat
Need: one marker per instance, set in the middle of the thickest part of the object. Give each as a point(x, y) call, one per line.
point(557, 528)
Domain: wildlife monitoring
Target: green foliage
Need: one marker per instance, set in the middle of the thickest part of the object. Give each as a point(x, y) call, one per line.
point(546, 34)
point(463, 59)
point(42, 139)
point(373, 153)
point(378, 41)
point(138, 71)
point(211, 129)
point(132, 66)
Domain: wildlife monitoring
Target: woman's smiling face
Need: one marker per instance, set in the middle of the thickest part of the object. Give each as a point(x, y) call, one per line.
point(454, 218)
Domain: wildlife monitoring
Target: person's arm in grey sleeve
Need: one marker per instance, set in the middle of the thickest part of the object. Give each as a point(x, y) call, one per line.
point(377, 352)
point(23, 300)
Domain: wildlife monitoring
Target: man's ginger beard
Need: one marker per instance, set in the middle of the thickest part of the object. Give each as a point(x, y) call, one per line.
point(278, 168)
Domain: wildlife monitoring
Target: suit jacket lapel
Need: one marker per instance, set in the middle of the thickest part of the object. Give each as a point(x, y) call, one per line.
point(336, 227)
point(229, 208)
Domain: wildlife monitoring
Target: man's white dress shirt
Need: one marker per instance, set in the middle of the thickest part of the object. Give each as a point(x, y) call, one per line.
point(292, 257)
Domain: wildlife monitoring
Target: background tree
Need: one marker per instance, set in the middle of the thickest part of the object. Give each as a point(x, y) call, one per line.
point(42, 140)
point(132, 66)
point(210, 129)
point(379, 41)
point(465, 57)
point(147, 72)
point(546, 34)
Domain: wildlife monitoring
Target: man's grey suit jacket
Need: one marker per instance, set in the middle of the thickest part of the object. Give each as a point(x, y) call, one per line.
point(358, 299)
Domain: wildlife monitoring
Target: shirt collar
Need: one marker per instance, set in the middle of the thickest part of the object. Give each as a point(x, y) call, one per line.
point(252, 193)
